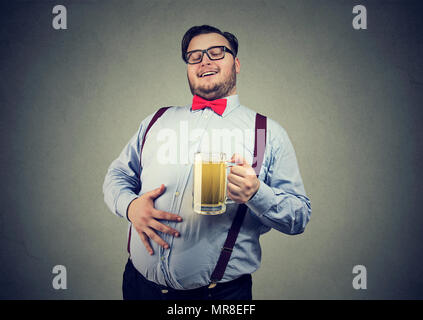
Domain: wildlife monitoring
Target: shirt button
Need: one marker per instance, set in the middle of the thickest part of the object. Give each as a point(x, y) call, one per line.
point(177, 193)
point(162, 258)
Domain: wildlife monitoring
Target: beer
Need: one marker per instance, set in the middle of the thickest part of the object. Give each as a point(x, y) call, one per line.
point(209, 190)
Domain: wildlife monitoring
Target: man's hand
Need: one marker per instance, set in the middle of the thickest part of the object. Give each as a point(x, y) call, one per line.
point(143, 215)
point(242, 181)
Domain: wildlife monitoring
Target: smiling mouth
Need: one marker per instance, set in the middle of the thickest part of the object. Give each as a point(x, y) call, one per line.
point(208, 74)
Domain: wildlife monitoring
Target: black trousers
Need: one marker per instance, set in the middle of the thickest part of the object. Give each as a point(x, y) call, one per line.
point(136, 287)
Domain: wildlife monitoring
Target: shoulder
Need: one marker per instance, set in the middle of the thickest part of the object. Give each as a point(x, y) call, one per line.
point(166, 112)
point(277, 136)
point(274, 128)
point(172, 113)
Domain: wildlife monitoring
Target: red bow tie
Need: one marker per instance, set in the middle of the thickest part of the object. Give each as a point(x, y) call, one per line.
point(218, 105)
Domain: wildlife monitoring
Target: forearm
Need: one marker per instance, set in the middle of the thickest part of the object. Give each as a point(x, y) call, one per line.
point(119, 190)
point(281, 210)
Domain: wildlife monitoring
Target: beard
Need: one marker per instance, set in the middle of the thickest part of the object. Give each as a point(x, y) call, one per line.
point(217, 90)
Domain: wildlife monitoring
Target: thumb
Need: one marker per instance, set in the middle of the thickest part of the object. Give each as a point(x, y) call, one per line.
point(153, 194)
point(238, 159)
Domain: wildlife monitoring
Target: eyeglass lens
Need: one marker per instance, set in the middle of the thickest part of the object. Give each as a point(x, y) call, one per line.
point(214, 53)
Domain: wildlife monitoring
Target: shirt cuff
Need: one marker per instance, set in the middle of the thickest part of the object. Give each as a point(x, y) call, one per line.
point(261, 202)
point(123, 203)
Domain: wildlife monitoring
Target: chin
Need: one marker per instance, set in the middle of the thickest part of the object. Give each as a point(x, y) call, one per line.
point(213, 91)
point(209, 94)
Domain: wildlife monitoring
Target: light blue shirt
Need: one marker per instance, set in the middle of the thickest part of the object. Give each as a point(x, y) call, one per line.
point(280, 202)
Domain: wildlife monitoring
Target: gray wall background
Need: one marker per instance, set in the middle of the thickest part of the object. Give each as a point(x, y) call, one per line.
point(350, 101)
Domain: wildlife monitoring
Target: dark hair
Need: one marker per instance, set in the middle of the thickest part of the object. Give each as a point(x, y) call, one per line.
point(197, 30)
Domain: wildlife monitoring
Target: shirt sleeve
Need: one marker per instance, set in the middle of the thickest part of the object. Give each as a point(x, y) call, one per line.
point(122, 182)
point(281, 202)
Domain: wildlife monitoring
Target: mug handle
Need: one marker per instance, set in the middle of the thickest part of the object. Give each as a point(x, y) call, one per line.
point(228, 166)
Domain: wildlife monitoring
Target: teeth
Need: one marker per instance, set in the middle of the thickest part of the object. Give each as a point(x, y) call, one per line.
point(208, 73)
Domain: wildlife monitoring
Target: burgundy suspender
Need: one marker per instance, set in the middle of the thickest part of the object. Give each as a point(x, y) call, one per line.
point(157, 115)
point(259, 142)
point(226, 251)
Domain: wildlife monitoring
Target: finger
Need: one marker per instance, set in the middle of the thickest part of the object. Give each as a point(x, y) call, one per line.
point(230, 195)
point(236, 179)
point(234, 190)
point(233, 197)
point(163, 228)
point(239, 171)
point(153, 194)
point(244, 171)
point(153, 236)
point(146, 242)
point(159, 214)
point(237, 158)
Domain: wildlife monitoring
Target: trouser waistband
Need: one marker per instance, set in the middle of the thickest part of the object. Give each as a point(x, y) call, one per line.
point(192, 292)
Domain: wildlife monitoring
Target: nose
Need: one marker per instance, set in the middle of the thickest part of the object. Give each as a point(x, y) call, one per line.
point(205, 60)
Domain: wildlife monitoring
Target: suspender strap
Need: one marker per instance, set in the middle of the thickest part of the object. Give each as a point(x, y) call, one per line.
point(156, 116)
point(259, 142)
point(225, 254)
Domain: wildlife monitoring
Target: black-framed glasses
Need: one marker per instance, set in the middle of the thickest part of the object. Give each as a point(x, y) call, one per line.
point(214, 53)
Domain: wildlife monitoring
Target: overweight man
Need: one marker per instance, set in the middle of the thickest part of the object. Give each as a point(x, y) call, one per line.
point(174, 252)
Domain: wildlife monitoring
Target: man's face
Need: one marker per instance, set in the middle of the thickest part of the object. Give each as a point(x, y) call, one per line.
point(219, 85)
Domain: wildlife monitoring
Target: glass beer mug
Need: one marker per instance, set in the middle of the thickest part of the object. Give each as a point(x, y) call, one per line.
point(210, 183)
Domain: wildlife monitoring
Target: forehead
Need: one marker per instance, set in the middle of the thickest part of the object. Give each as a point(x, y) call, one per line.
point(204, 41)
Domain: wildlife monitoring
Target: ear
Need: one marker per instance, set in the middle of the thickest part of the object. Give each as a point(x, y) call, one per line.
point(237, 65)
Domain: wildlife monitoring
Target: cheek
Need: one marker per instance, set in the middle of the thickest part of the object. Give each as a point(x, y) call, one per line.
point(192, 76)
point(227, 70)
point(192, 72)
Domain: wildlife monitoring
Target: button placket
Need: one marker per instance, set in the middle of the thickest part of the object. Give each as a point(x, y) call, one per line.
point(203, 123)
